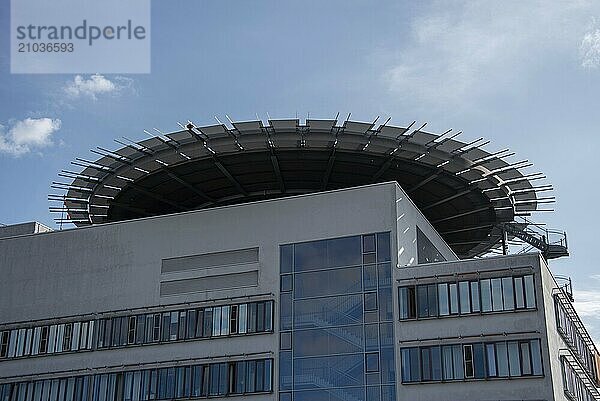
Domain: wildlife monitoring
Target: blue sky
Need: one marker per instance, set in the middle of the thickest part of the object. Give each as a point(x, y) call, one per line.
point(525, 75)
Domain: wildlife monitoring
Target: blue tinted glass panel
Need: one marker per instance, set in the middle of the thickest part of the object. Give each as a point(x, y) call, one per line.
point(286, 258)
point(388, 367)
point(343, 394)
point(285, 305)
point(372, 337)
point(333, 311)
point(331, 341)
point(344, 252)
point(386, 334)
point(383, 247)
point(338, 371)
point(285, 371)
point(370, 277)
point(310, 255)
point(384, 274)
point(329, 282)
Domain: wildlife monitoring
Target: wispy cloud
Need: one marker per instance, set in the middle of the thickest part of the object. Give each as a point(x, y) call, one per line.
point(589, 48)
point(27, 135)
point(453, 55)
point(587, 304)
point(96, 85)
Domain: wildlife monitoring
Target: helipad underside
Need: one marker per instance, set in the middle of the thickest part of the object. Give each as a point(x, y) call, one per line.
point(463, 190)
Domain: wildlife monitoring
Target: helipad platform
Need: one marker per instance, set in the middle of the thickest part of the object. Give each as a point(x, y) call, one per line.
point(466, 192)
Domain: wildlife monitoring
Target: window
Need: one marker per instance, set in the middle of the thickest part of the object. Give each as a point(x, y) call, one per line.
point(469, 364)
point(4, 336)
point(508, 293)
point(370, 301)
point(497, 304)
point(182, 325)
point(469, 361)
point(486, 295)
point(407, 299)
point(286, 283)
point(43, 340)
point(464, 297)
point(67, 337)
point(443, 306)
point(475, 296)
point(233, 319)
point(131, 327)
point(372, 362)
point(529, 291)
point(453, 299)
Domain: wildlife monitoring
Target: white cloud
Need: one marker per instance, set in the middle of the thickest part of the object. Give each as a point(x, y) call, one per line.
point(27, 135)
point(589, 48)
point(454, 54)
point(96, 85)
point(587, 304)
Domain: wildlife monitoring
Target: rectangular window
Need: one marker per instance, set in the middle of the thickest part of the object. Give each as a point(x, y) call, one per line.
point(436, 363)
point(468, 361)
point(502, 359)
point(260, 316)
point(459, 371)
point(514, 362)
point(182, 328)
point(444, 307)
point(208, 320)
point(497, 304)
point(519, 293)
point(447, 362)
point(425, 364)
point(479, 360)
point(199, 323)
point(216, 325)
point(173, 326)
point(370, 301)
point(165, 326)
point(156, 327)
point(192, 314)
point(252, 312)
point(525, 358)
point(51, 339)
point(422, 301)
point(453, 298)
point(67, 337)
point(475, 296)
point(411, 365)
point(465, 297)
point(486, 295)
point(140, 329)
point(407, 300)
point(244, 318)
point(225, 316)
point(529, 291)
point(508, 293)
point(131, 328)
point(490, 352)
point(432, 300)
point(4, 340)
point(536, 357)
point(233, 319)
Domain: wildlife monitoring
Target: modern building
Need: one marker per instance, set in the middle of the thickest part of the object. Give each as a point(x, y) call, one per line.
point(320, 261)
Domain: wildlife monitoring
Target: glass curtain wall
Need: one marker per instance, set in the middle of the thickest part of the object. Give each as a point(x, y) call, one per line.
point(336, 320)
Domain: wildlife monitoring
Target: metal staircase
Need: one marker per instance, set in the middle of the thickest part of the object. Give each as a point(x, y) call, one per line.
point(551, 243)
